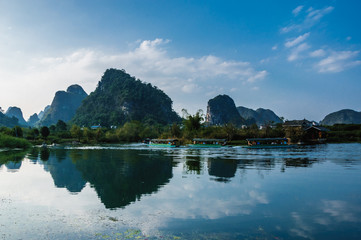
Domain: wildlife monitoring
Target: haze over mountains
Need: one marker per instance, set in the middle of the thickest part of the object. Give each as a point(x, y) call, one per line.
point(119, 98)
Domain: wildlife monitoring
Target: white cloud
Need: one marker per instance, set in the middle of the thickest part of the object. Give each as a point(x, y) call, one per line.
point(313, 17)
point(297, 10)
point(338, 62)
point(260, 75)
point(275, 47)
point(295, 41)
point(295, 53)
point(190, 88)
point(149, 61)
point(318, 53)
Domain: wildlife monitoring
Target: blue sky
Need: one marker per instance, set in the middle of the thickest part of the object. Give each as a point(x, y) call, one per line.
point(299, 58)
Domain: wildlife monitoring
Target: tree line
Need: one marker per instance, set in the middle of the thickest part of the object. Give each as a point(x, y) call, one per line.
point(192, 126)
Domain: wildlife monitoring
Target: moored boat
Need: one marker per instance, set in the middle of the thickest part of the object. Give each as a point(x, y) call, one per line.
point(169, 143)
point(207, 143)
point(268, 143)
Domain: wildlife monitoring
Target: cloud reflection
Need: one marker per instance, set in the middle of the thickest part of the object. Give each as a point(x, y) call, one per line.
point(193, 200)
point(341, 211)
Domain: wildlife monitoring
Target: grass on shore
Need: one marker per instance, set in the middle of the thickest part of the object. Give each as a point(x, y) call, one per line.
point(13, 142)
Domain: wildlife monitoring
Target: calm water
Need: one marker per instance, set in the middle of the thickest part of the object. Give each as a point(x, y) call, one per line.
point(134, 192)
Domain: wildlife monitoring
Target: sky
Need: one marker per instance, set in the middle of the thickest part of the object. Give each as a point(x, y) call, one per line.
point(300, 59)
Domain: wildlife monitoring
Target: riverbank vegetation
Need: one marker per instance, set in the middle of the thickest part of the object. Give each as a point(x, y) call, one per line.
point(135, 131)
point(343, 133)
point(7, 141)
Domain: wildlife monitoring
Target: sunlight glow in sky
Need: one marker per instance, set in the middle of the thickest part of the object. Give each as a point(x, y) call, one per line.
point(299, 58)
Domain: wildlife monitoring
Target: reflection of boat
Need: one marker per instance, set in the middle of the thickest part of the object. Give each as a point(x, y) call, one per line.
point(207, 143)
point(268, 143)
point(171, 143)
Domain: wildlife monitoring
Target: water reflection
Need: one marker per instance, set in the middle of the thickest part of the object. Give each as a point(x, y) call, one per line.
point(193, 165)
point(285, 194)
point(222, 169)
point(118, 177)
point(12, 159)
point(122, 177)
point(62, 170)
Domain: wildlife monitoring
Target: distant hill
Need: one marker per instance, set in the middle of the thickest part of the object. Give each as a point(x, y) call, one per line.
point(119, 98)
point(7, 121)
point(260, 116)
point(17, 113)
point(345, 116)
point(33, 119)
point(64, 105)
point(222, 110)
point(43, 112)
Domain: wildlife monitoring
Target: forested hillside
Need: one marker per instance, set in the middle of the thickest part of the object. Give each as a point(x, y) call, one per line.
point(120, 98)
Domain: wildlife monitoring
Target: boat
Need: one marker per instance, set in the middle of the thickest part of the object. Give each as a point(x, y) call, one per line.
point(207, 143)
point(169, 143)
point(268, 143)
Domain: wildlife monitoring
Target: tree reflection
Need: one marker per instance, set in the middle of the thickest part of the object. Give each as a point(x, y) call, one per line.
point(193, 165)
point(44, 154)
point(298, 162)
point(33, 154)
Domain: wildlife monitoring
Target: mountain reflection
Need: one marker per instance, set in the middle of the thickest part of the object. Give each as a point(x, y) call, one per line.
point(12, 159)
point(122, 176)
point(222, 169)
point(62, 170)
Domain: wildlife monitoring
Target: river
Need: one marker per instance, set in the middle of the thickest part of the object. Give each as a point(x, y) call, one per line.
point(136, 192)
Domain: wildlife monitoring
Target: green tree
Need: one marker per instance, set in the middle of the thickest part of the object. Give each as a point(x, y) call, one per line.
point(99, 135)
point(230, 130)
point(88, 134)
point(44, 131)
point(32, 133)
point(76, 132)
point(192, 123)
point(52, 128)
point(17, 131)
point(61, 126)
point(36, 132)
point(130, 131)
point(176, 130)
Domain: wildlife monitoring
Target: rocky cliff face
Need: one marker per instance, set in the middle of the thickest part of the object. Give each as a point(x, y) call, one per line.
point(120, 98)
point(345, 116)
point(17, 113)
point(64, 105)
point(222, 110)
point(260, 116)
